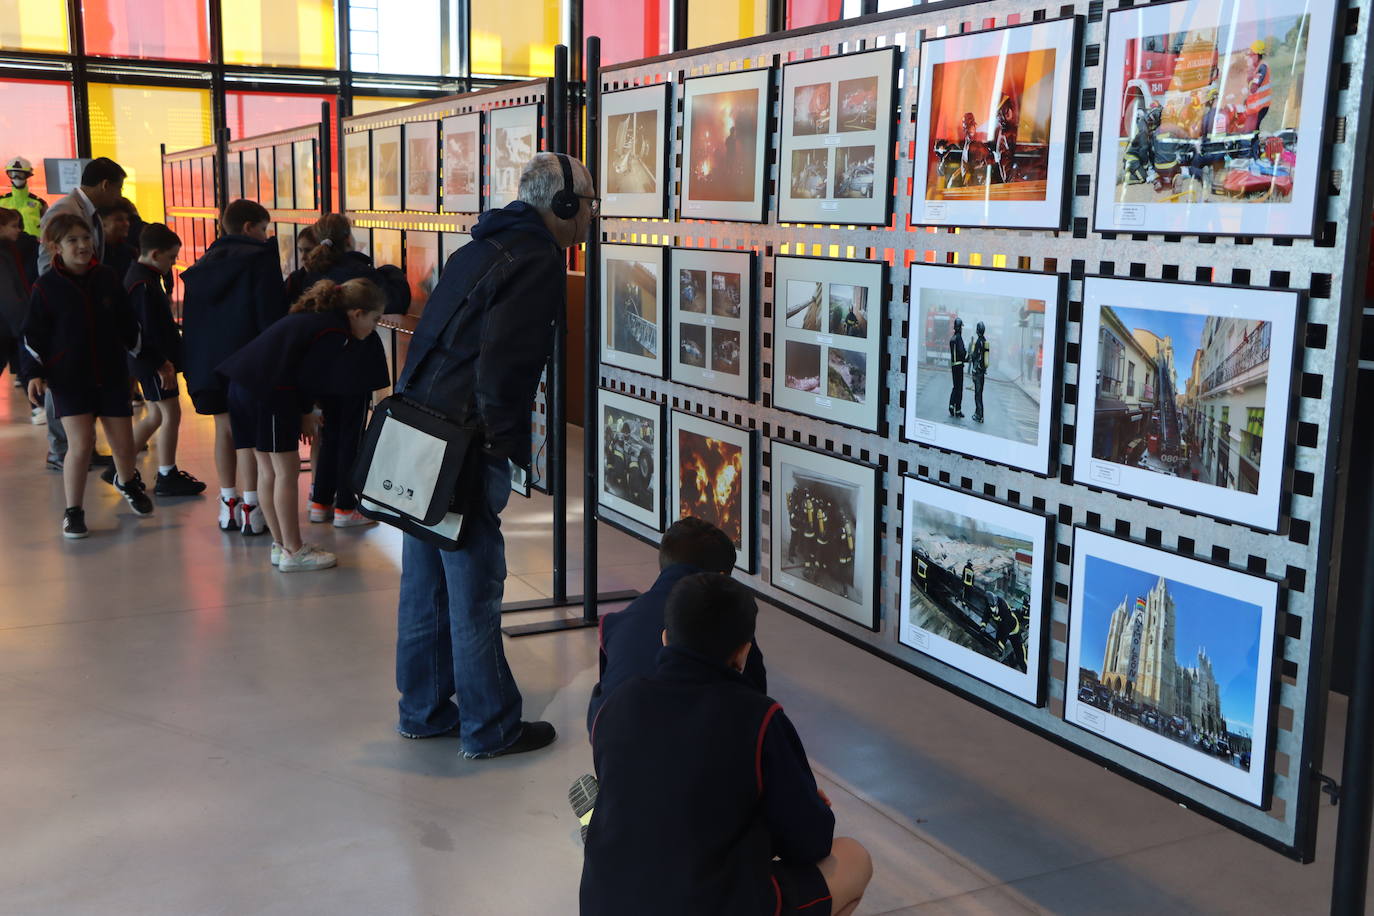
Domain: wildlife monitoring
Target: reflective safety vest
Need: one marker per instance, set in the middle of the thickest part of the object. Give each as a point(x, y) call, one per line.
point(1261, 92)
point(30, 208)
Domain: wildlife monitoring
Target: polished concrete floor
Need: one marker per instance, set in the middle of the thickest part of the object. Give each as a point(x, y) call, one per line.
point(185, 731)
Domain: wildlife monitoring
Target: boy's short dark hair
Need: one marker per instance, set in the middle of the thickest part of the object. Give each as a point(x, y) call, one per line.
point(157, 237)
point(120, 206)
point(242, 212)
point(697, 543)
point(8, 216)
point(102, 169)
point(710, 614)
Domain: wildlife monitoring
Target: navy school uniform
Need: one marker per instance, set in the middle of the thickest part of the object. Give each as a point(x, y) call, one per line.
point(703, 782)
point(18, 269)
point(161, 335)
point(77, 336)
point(631, 640)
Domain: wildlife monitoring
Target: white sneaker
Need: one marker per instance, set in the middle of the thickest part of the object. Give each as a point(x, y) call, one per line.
point(276, 554)
point(351, 519)
point(318, 512)
point(38, 417)
point(251, 520)
point(307, 559)
point(229, 514)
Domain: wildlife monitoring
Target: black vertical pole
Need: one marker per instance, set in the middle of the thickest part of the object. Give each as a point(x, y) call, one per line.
point(222, 166)
point(868, 7)
point(777, 15)
point(591, 456)
point(81, 107)
point(324, 198)
point(557, 394)
point(679, 30)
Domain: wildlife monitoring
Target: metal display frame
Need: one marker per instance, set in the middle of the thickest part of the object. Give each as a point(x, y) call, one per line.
point(1304, 553)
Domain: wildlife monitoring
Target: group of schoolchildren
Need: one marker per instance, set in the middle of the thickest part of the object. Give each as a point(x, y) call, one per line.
point(274, 362)
point(703, 799)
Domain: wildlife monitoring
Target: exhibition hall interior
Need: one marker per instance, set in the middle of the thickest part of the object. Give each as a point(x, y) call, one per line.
point(990, 370)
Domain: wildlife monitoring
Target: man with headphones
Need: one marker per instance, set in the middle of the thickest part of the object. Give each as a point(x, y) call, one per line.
point(476, 356)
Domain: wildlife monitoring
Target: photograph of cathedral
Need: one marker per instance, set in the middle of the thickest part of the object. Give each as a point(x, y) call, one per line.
point(1171, 657)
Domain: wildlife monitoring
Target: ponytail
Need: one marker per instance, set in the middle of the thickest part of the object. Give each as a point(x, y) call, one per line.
point(334, 234)
point(328, 296)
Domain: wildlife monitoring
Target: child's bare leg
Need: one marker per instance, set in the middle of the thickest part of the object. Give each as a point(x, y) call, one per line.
point(146, 426)
point(227, 462)
point(266, 503)
point(248, 471)
point(169, 413)
point(285, 490)
point(120, 433)
point(80, 430)
point(847, 871)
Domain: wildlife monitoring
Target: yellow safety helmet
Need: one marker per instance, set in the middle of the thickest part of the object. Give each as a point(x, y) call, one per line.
point(1259, 47)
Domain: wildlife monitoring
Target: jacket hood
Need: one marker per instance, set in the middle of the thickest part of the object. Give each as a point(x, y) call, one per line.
point(221, 267)
point(516, 215)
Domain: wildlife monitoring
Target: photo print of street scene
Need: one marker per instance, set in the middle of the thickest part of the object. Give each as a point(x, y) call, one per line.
point(724, 146)
point(633, 290)
point(460, 163)
point(1182, 394)
point(630, 462)
point(633, 154)
point(1171, 658)
point(711, 479)
point(818, 530)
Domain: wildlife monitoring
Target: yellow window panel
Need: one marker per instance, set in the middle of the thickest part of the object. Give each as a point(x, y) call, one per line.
point(515, 37)
point(711, 22)
point(262, 33)
point(33, 25)
point(128, 123)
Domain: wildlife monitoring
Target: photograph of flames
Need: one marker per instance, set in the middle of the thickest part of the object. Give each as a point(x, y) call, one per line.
point(711, 483)
point(725, 138)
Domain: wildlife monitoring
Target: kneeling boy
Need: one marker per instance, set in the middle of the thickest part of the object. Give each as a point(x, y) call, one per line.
point(707, 802)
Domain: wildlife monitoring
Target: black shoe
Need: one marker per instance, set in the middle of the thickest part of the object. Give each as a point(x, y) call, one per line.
point(951, 410)
point(102, 461)
point(959, 414)
point(178, 483)
point(136, 495)
point(450, 732)
point(74, 523)
point(54, 464)
point(533, 736)
point(108, 475)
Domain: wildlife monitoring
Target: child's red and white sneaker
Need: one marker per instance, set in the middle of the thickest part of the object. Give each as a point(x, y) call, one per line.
point(251, 520)
point(350, 518)
point(229, 513)
point(319, 512)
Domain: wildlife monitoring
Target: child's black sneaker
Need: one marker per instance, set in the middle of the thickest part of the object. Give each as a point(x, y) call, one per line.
point(177, 482)
point(135, 494)
point(74, 523)
point(582, 796)
point(108, 474)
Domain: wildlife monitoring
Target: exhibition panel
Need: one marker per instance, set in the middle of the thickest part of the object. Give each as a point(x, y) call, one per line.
point(1038, 449)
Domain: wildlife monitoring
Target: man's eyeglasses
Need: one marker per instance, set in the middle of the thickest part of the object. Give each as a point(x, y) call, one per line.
point(594, 205)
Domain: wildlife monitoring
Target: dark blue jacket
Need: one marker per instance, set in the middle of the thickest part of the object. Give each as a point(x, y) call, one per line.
point(632, 638)
point(18, 270)
point(488, 329)
point(79, 330)
point(232, 294)
point(152, 308)
point(355, 265)
point(703, 780)
point(120, 258)
point(300, 358)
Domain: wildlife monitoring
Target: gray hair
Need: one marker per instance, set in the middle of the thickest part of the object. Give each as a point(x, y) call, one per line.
point(542, 178)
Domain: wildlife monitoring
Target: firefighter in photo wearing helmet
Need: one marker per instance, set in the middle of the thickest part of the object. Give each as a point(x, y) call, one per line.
point(1259, 91)
point(30, 207)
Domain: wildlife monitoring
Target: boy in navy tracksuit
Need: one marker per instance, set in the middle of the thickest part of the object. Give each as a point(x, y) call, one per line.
point(273, 385)
point(233, 293)
point(631, 639)
point(707, 802)
point(158, 249)
point(76, 336)
point(332, 458)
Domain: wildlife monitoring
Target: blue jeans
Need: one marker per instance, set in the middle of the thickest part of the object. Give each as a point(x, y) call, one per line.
point(449, 631)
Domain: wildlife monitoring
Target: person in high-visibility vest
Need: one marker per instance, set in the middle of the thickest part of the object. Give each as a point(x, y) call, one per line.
point(31, 207)
point(1259, 91)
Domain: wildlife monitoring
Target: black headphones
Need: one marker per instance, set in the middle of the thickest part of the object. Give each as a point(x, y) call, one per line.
point(565, 203)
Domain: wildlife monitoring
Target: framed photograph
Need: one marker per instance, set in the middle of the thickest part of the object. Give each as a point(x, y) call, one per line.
point(980, 367)
point(286, 247)
point(713, 466)
point(422, 166)
point(824, 531)
point(725, 146)
point(634, 152)
point(630, 476)
point(267, 195)
point(386, 247)
point(514, 139)
point(286, 177)
point(358, 170)
point(461, 136)
point(828, 339)
point(422, 267)
point(362, 240)
point(632, 307)
point(251, 190)
point(304, 154)
point(836, 160)
point(1212, 117)
point(1185, 380)
point(386, 168)
point(1172, 658)
point(975, 586)
point(992, 127)
point(449, 243)
point(519, 480)
point(713, 317)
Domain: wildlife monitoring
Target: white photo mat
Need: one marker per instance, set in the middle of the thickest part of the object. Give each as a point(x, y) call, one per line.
point(1045, 208)
point(387, 179)
point(842, 363)
point(634, 152)
point(1238, 22)
point(701, 196)
point(865, 81)
point(936, 295)
point(1227, 587)
point(846, 487)
point(997, 520)
point(735, 454)
point(713, 307)
point(633, 281)
point(630, 432)
point(1259, 509)
point(461, 144)
point(422, 166)
point(513, 139)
